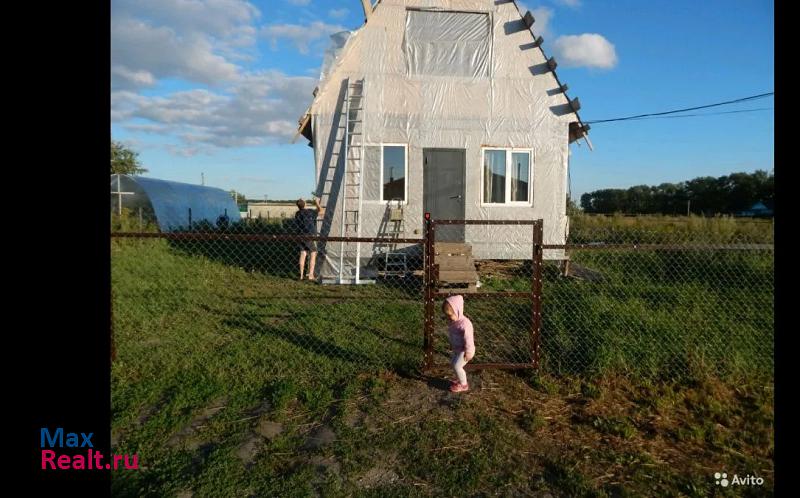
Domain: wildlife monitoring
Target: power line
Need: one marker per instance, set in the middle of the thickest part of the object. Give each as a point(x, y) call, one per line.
point(639, 116)
point(707, 113)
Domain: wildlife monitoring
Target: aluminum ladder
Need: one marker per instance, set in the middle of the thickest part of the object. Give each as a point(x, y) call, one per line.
point(352, 185)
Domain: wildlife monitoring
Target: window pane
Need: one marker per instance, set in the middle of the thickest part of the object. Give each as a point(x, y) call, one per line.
point(394, 173)
point(494, 176)
point(520, 176)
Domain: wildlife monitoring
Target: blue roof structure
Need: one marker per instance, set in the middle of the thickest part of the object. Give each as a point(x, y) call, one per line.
point(757, 209)
point(173, 205)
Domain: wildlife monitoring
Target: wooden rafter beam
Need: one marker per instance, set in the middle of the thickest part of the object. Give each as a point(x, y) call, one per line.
point(304, 128)
point(367, 5)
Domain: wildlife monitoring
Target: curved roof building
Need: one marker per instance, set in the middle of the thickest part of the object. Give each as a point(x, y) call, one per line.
point(171, 204)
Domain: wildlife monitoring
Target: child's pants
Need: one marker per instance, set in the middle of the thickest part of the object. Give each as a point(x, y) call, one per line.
point(458, 361)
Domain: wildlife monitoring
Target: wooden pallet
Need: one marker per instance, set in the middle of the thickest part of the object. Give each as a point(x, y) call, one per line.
point(456, 266)
point(466, 288)
point(452, 249)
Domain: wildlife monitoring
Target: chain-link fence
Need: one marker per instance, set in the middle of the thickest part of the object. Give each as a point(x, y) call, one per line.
point(499, 274)
point(242, 282)
point(665, 300)
point(223, 353)
point(640, 300)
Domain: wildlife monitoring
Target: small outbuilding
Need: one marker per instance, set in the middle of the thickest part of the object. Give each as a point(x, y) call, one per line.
point(451, 108)
point(172, 205)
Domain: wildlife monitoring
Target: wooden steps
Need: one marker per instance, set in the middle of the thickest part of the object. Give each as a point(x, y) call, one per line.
point(456, 266)
point(452, 249)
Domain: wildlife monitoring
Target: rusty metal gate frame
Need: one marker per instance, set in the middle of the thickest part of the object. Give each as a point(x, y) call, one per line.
point(432, 292)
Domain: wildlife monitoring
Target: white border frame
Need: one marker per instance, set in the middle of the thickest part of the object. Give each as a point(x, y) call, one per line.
point(383, 201)
point(509, 154)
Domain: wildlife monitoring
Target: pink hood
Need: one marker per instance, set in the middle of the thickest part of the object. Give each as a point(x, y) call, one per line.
point(460, 331)
point(457, 303)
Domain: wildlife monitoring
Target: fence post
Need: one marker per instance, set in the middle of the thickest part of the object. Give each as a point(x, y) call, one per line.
point(536, 293)
point(429, 294)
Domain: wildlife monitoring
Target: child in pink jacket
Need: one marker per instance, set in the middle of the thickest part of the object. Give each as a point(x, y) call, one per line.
point(461, 340)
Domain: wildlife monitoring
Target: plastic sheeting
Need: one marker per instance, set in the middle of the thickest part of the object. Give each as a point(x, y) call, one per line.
point(413, 98)
point(332, 52)
point(448, 44)
point(372, 173)
point(173, 204)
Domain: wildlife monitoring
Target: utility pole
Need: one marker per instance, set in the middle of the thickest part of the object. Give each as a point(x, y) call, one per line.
point(202, 178)
point(688, 207)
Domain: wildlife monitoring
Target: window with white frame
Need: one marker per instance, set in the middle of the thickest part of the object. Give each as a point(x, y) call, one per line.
point(507, 176)
point(385, 172)
point(394, 167)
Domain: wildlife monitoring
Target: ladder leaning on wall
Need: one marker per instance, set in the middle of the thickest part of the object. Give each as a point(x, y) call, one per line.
point(395, 262)
point(352, 185)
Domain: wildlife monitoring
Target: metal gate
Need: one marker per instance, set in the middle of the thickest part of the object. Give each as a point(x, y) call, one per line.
point(492, 299)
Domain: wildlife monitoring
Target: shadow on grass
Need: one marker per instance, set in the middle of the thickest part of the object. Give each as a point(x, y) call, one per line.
point(271, 257)
point(384, 336)
point(307, 342)
point(436, 383)
point(278, 258)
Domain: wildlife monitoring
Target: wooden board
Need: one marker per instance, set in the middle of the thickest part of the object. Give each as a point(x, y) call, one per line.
point(453, 248)
point(455, 263)
point(458, 276)
point(462, 287)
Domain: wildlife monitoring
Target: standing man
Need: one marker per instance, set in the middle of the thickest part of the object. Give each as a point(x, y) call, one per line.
point(306, 220)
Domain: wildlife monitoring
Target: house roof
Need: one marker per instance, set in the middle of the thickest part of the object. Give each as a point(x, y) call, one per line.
point(577, 130)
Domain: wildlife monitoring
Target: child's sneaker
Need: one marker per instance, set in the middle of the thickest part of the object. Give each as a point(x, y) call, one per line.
point(457, 387)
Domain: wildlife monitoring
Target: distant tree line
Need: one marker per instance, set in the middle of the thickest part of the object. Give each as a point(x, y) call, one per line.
point(703, 195)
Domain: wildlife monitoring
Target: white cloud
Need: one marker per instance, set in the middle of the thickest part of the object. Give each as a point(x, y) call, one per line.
point(216, 18)
point(139, 48)
point(542, 16)
point(586, 50)
point(338, 13)
point(202, 41)
point(541, 27)
point(122, 104)
point(259, 109)
point(147, 128)
point(189, 39)
point(301, 36)
point(125, 78)
point(299, 2)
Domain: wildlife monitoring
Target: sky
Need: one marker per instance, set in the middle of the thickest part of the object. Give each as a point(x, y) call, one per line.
point(214, 88)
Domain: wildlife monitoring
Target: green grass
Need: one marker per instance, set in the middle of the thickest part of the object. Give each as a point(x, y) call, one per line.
point(207, 350)
point(666, 313)
point(663, 313)
point(616, 426)
point(670, 229)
